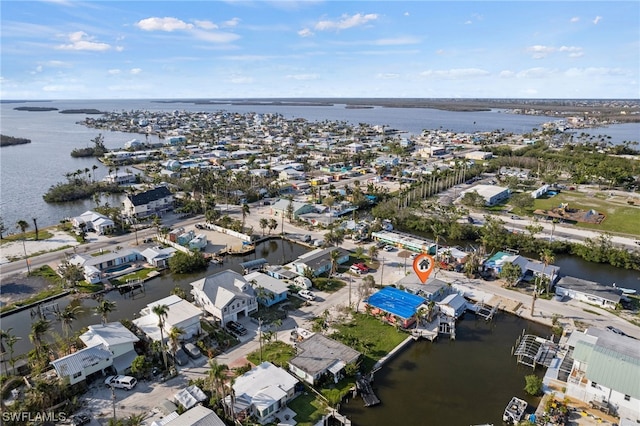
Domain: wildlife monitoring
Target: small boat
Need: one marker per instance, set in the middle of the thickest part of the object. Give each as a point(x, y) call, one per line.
point(514, 411)
point(625, 290)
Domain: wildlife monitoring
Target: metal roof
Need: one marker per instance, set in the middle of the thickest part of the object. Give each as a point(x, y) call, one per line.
point(612, 361)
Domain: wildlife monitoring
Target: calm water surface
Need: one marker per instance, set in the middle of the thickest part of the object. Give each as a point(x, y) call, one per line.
point(463, 382)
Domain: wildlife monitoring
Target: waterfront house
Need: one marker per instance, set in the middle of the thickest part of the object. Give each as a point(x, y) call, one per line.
point(226, 295)
point(106, 265)
point(196, 416)
point(158, 257)
point(121, 178)
point(86, 363)
point(155, 201)
point(395, 306)
point(280, 207)
point(319, 260)
point(588, 291)
point(432, 289)
point(263, 392)
point(606, 371)
point(453, 306)
point(92, 221)
point(530, 269)
point(269, 290)
point(319, 356)
point(115, 338)
point(180, 314)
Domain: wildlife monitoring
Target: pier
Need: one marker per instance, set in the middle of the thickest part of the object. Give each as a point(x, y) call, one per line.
point(532, 350)
point(363, 385)
point(484, 310)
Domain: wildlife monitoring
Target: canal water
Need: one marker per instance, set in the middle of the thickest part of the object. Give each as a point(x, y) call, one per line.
point(275, 251)
point(463, 382)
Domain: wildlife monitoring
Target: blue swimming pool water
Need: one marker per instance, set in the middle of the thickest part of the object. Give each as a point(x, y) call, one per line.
point(551, 193)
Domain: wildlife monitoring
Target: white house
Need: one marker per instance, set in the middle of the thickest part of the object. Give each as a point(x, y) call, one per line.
point(196, 416)
point(225, 295)
point(117, 339)
point(263, 391)
point(492, 194)
point(82, 364)
point(92, 221)
point(95, 268)
point(606, 369)
point(181, 314)
point(589, 291)
point(155, 201)
point(453, 305)
point(158, 256)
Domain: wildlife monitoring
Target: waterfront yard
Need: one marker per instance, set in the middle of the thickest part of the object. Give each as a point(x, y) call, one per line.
point(620, 216)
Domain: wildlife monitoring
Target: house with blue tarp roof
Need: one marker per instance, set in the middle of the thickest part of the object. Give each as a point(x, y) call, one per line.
point(396, 305)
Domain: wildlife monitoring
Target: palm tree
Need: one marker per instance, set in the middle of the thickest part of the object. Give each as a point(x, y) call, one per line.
point(373, 252)
point(38, 329)
point(547, 258)
point(174, 337)
point(10, 340)
point(104, 308)
point(67, 317)
point(263, 224)
point(23, 225)
point(245, 212)
point(35, 225)
point(162, 311)
point(335, 255)
point(217, 376)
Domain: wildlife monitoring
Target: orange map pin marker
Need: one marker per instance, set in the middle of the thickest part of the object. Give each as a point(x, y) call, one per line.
point(423, 265)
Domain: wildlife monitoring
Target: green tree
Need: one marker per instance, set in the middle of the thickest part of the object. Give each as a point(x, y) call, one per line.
point(245, 212)
point(511, 273)
point(273, 224)
point(162, 312)
point(71, 273)
point(373, 252)
point(174, 337)
point(179, 291)
point(522, 200)
point(67, 316)
point(184, 263)
point(533, 385)
point(547, 258)
point(23, 225)
point(10, 340)
point(38, 329)
point(104, 308)
point(140, 366)
point(264, 223)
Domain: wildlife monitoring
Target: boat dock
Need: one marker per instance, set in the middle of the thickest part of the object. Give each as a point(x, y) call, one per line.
point(363, 385)
point(484, 310)
point(532, 350)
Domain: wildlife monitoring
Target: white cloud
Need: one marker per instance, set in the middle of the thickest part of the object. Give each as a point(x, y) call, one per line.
point(468, 22)
point(595, 72)
point(597, 19)
point(114, 71)
point(215, 37)
point(305, 32)
point(163, 24)
point(240, 80)
point(396, 41)
point(302, 77)
point(537, 72)
point(539, 51)
point(345, 22)
point(387, 76)
point(80, 40)
point(206, 25)
point(506, 74)
point(455, 73)
point(231, 22)
point(406, 14)
point(574, 52)
point(574, 19)
point(135, 71)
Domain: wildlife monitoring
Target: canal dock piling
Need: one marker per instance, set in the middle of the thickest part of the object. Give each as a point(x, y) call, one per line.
point(363, 385)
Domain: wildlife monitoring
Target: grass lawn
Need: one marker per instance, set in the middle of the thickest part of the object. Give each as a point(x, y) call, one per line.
point(277, 353)
point(620, 216)
point(329, 285)
point(137, 275)
point(309, 408)
point(374, 338)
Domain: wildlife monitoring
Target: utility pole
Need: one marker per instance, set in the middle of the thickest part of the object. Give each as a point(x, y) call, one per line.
point(382, 273)
point(113, 401)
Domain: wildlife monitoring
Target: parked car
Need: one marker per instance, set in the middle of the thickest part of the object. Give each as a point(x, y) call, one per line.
point(306, 294)
point(147, 240)
point(361, 266)
point(80, 419)
point(389, 248)
point(192, 350)
point(237, 328)
point(180, 357)
point(121, 382)
point(306, 238)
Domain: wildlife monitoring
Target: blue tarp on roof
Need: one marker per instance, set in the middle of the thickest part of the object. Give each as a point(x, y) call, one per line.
point(396, 302)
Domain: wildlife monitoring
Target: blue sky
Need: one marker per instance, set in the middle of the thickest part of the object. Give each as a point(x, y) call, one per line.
point(260, 49)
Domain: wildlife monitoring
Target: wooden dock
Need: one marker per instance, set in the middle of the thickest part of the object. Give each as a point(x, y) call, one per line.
point(484, 310)
point(363, 385)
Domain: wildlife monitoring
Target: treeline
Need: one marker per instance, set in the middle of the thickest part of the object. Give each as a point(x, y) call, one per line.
point(97, 150)
point(10, 140)
point(78, 189)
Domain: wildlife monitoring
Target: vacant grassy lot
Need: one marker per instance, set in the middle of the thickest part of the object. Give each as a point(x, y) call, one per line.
point(620, 216)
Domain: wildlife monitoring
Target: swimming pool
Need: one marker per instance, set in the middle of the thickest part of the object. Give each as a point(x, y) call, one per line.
point(552, 193)
point(117, 268)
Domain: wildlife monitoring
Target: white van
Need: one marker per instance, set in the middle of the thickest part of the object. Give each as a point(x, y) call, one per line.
point(121, 382)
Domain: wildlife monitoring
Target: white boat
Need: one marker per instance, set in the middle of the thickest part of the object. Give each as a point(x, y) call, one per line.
point(625, 290)
point(514, 411)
